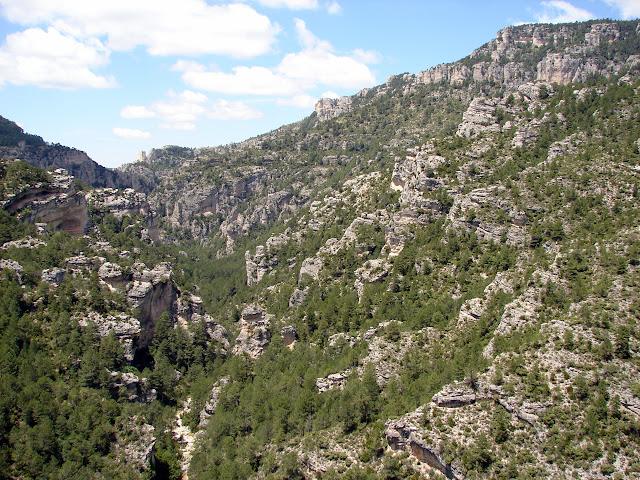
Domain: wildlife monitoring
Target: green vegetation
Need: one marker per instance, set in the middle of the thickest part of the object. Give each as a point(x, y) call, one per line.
point(511, 270)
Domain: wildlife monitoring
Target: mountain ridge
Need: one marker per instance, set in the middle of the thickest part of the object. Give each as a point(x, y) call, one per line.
point(440, 282)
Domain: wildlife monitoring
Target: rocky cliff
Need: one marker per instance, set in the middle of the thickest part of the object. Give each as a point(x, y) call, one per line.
point(436, 277)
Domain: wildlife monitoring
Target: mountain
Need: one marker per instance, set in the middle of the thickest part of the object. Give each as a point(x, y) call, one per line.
point(16, 144)
point(433, 278)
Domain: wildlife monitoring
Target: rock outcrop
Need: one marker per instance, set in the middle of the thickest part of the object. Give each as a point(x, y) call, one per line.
point(404, 434)
point(77, 163)
point(254, 334)
point(58, 204)
point(126, 329)
point(152, 292)
point(327, 108)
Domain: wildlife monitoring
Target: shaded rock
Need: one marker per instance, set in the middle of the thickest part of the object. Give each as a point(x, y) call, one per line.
point(297, 297)
point(403, 434)
point(212, 402)
point(152, 292)
point(135, 444)
point(14, 266)
point(289, 335)
point(53, 276)
point(57, 204)
point(126, 329)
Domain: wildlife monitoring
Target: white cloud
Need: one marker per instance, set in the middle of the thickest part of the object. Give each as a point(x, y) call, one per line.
point(292, 4)
point(243, 80)
point(301, 101)
point(319, 66)
point(330, 94)
point(186, 126)
point(50, 59)
point(297, 73)
point(629, 8)
point(307, 39)
point(136, 111)
point(181, 111)
point(130, 133)
point(334, 8)
point(367, 56)
point(560, 11)
point(163, 27)
point(315, 64)
point(227, 110)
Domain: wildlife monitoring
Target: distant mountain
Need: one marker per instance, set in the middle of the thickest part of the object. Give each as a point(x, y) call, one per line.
point(434, 278)
point(14, 143)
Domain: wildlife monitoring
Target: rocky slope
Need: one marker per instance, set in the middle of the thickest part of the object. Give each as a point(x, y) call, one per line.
point(436, 277)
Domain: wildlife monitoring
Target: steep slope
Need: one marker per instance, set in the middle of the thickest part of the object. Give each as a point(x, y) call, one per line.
point(16, 144)
point(434, 278)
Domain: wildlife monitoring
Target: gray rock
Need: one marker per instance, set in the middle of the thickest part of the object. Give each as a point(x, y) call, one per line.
point(289, 334)
point(53, 276)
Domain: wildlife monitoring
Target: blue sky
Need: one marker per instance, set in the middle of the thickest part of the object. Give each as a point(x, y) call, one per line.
point(114, 77)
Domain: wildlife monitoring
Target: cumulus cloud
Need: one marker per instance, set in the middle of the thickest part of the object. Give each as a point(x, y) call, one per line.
point(367, 56)
point(292, 4)
point(629, 8)
point(130, 133)
point(314, 65)
point(228, 110)
point(301, 101)
point(334, 8)
point(51, 59)
point(243, 80)
point(185, 126)
point(160, 26)
point(181, 111)
point(560, 11)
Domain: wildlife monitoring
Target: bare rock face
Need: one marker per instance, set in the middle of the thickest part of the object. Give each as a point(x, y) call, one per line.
point(53, 276)
point(57, 204)
point(136, 388)
point(327, 108)
point(373, 271)
point(254, 333)
point(297, 297)
point(212, 402)
point(113, 275)
point(77, 163)
point(455, 395)
point(126, 329)
point(258, 265)
point(136, 446)
point(121, 202)
point(311, 267)
point(334, 380)
point(404, 434)
point(216, 332)
point(14, 266)
point(151, 293)
point(289, 335)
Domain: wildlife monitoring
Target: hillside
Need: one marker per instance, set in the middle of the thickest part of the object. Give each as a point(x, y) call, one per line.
point(434, 278)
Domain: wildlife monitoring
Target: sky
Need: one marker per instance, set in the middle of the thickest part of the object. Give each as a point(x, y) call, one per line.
point(116, 77)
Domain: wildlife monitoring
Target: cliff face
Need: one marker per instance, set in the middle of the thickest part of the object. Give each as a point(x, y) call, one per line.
point(57, 204)
point(555, 54)
point(441, 279)
point(78, 164)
